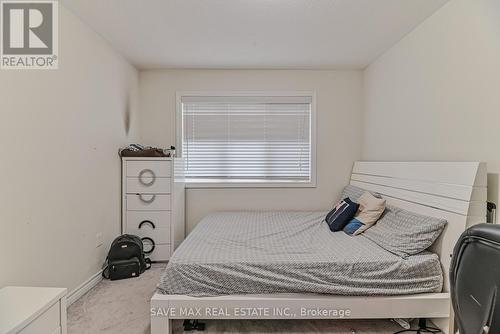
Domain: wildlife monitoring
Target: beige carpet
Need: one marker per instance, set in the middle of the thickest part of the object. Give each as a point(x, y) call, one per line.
point(122, 307)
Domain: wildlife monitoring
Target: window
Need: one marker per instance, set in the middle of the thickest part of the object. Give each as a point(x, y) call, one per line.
point(247, 139)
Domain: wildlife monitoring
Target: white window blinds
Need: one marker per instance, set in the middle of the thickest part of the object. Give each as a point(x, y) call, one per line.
point(261, 139)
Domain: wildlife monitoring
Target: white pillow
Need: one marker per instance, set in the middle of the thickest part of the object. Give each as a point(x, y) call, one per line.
point(370, 210)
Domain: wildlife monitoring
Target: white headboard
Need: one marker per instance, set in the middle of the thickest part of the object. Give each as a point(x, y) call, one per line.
point(455, 191)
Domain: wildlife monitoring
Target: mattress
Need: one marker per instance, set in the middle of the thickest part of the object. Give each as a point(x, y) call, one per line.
point(233, 253)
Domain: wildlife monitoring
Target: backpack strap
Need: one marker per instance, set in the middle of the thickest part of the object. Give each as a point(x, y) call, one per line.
point(148, 262)
point(105, 270)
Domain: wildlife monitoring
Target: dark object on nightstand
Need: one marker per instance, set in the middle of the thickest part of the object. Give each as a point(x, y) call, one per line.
point(138, 150)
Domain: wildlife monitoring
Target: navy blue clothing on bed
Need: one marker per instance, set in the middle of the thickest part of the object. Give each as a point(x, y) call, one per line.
point(343, 212)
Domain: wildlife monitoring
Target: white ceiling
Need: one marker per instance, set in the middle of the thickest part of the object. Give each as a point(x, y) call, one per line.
point(252, 33)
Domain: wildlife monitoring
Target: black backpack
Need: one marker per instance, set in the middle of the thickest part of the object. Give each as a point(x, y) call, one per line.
point(126, 258)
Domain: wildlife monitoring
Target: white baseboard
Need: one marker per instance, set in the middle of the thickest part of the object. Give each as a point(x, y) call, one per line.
point(83, 288)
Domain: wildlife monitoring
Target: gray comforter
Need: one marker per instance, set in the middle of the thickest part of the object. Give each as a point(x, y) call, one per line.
point(290, 252)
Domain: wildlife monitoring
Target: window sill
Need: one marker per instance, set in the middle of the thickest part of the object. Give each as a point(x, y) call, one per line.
point(248, 184)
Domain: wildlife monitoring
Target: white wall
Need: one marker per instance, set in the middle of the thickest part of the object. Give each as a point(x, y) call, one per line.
point(60, 132)
point(435, 94)
point(338, 133)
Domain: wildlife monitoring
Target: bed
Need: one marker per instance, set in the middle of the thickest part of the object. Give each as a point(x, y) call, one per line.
point(288, 265)
point(231, 253)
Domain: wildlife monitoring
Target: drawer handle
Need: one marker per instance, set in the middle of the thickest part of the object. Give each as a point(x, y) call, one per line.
point(151, 241)
point(153, 177)
point(147, 201)
point(147, 222)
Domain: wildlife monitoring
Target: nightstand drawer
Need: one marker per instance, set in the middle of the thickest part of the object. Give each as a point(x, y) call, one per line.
point(148, 168)
point(159, 235)
point(148, 185)
point(48, 322)
point(160, 219)
point(148, 202)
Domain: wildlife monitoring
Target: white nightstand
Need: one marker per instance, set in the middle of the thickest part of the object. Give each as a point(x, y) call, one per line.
point(31, 310)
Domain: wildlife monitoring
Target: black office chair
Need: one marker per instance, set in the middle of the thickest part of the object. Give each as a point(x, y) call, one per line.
point(475, 278)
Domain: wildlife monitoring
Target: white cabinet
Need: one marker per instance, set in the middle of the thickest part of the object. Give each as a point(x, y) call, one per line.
point(153, 203)
point(32, 310)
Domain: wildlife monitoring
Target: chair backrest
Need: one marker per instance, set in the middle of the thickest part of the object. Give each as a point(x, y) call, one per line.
point(475, 279)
